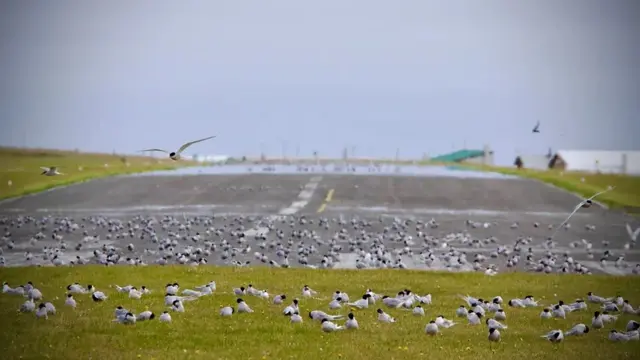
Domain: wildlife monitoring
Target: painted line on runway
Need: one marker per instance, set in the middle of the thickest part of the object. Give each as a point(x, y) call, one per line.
point(327, 199)
point(303, 198)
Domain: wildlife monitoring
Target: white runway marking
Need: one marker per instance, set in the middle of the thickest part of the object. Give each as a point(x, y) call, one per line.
point(303, 198)
point(439, 211)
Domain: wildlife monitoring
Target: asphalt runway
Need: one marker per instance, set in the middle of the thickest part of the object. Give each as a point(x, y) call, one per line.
point(474, 215)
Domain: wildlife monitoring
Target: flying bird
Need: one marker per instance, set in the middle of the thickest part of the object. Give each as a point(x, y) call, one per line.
point(176, 155)
point(50, 171)
point(536, 129)
point(586, 203)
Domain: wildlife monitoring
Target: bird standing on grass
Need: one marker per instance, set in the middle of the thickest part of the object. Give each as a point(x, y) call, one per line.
point(175, 155)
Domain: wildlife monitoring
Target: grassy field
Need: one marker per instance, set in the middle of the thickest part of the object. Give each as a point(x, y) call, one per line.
point(20, 171)
point(200, 333)
point(626, 195)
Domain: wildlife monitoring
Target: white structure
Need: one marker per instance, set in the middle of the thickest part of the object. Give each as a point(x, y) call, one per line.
point(619, 162)
point(210, 158)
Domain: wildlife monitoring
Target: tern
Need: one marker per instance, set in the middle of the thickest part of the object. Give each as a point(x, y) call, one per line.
point(50, 171)
point(536, 129)
point(176, 154)
point(586, 203)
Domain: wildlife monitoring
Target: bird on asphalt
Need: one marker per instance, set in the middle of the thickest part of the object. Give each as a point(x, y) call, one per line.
point(175, 155)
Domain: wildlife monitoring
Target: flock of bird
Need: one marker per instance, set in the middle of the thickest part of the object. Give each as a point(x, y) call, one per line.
point(285, 241)
point(474, 311)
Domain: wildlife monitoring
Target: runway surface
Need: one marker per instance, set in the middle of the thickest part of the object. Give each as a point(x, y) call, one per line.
point(478, 211)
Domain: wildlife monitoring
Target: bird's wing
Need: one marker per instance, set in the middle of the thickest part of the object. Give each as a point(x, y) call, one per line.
point(183, 147)
point(567, 219)
point(160, 150)
point(602, 192)
point(44, 168)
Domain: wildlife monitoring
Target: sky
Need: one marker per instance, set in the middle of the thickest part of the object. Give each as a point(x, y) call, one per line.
point(421, 76)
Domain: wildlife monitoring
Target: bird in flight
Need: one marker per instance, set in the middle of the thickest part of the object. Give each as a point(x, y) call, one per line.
point(584, 204)
point(176, 155)
point(50, 171)
point(536, 129)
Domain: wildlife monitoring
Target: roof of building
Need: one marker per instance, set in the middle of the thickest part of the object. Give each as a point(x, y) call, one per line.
point(459, 155)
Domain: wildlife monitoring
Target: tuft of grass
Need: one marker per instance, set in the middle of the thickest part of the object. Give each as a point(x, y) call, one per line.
point(20, 171)
point(200, 333)
point(626, 196)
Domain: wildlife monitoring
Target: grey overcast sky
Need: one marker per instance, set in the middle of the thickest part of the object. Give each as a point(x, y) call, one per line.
point(424, 76)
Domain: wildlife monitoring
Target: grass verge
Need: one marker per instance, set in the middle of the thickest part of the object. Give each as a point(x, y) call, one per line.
point(626, 196)
point(200, 333)
point(20, 172)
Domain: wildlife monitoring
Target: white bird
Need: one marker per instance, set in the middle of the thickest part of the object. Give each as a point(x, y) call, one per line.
point(418, 311)
point(494, 335)
point(384, 317)
point(500, 315)
point(319, 315)
point(558, 312)
point(579, 329)
point(176, 155)
point(50, 171)
point(146, 315)
point(243, 307)
point(42, 311)
point(361, 303)
point(586, 203)
point(76, 289)
point(555, 336)
point(135, 293)
point(165, 317)
point(616, 336)
point(70, 301)
point(491, 323)
point(442, 322)
point(633, 234)
point(351, 322)
point(328, 326)
point(461, 311)
point(296, 318)
point(473, 317)
point(545, 314)
point(227, 311)
point(431, 328)
point(291, 308)
point(28, 306)
point(335, 304)
point(127, 318)
point(98, 296)
point(177, 306)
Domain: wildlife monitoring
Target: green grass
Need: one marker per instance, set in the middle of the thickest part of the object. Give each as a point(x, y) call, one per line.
point(626, 195)
point(200, 333)
point(20, 170)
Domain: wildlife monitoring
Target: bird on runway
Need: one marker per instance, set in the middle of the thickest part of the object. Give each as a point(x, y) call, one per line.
point(50, 171)
point(176, 155)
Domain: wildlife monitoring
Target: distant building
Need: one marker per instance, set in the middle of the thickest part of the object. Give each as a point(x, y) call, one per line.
point(537, 162)
point(484, 156)
point(613, 162)
point(618, 162)
point(210, 158)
